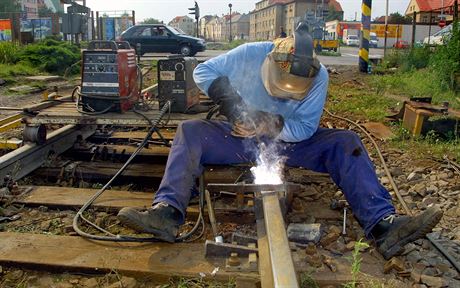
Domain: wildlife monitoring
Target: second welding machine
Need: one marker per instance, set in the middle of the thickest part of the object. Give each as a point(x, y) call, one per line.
point(109, 77)
point(175, 82)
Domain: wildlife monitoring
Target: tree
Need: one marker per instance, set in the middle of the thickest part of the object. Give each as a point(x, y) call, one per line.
point(151, 21)
point(9, 6)
point(45, 11)
point(334, 14)
point(396, 18)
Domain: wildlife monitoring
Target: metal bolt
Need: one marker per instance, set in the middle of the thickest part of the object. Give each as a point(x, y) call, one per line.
point(234, 260)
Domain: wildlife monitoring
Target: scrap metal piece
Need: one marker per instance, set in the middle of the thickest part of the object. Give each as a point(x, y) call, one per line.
point(442, 245)
point(214, 249)
point(304, 233)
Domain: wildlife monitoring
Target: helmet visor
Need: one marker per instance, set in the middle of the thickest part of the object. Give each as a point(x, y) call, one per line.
point(282, 84)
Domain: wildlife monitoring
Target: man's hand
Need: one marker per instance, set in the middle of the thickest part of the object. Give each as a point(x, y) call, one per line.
point(259, 124)
point(223, 94)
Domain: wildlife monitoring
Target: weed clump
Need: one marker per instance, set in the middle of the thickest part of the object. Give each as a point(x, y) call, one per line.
point(9, 52)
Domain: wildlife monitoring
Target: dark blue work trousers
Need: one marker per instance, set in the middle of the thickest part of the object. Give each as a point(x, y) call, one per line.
point(337, 152)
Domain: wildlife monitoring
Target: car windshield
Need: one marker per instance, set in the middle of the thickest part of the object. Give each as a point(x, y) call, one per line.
point(373, 37)
point(444, 31)
point(353, 37)
point(175, 30)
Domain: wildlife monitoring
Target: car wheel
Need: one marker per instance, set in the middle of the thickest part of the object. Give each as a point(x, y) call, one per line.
point(185, 50)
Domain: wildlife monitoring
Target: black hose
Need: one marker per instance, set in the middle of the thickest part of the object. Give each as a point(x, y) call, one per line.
point(123, 238)
point(118, 238)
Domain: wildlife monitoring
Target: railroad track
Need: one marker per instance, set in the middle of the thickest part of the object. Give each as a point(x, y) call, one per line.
point(81, 154)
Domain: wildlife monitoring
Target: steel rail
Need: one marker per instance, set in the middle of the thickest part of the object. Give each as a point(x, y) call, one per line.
point(282, 265)
point(29, 157)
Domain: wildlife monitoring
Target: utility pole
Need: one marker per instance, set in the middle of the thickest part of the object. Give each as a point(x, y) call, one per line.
point(365, 36)
point(386, 30)
point(414, 27)
point(230, 6)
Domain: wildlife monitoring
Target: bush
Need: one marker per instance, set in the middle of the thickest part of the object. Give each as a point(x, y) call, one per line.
point(446, 61)
point(9, 52)
point(50, 55)
point(415, 58)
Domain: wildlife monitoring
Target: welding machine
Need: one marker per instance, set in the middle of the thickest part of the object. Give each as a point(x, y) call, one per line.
point(175, 82)
point(109, 79)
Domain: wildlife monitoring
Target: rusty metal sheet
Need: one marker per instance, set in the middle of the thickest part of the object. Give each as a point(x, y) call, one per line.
point(379, 130)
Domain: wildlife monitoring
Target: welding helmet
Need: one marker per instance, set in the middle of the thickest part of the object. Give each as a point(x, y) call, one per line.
point(289, 69)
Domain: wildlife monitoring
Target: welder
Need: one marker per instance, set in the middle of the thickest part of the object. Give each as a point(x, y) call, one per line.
point(276, 91)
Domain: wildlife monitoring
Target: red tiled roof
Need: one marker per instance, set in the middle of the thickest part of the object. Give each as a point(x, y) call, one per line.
point(336, 5)
point(177, 18)
point(428, 5)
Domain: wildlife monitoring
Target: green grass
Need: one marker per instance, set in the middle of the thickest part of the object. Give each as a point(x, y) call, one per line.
point(11, 72)
point(415, 83)
point(368, 102)
point(426, 146)
point(180, 282)
point(359, 101)
point(9, 52)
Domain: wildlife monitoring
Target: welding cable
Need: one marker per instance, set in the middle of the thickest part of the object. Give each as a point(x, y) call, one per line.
point(122, 238)
point(157, 131)
point(384, 164)
point(77, 103)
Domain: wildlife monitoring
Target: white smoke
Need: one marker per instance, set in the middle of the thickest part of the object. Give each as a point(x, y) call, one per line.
point(270, 165)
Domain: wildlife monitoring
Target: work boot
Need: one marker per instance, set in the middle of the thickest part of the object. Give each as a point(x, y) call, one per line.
point(162, 220)
point(392, 233)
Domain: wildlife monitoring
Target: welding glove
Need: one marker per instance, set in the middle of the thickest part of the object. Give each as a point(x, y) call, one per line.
point(258, 124)
point(223, 94)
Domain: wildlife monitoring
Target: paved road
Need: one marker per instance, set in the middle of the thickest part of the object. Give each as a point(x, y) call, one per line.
point(349, 56)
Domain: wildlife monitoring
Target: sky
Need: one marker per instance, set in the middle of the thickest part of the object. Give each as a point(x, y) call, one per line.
point(166, 10)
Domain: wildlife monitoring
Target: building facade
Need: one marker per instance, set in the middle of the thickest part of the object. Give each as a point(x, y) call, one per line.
point(203, 25)
point(185, 24)
point(240, 27)
point(269, 16)
point(427, 10)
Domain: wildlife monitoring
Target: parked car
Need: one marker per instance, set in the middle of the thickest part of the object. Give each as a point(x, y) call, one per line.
point(374, 41)
point(439, 37)
point(162, 38)
point(401, 44)
point(352, 40)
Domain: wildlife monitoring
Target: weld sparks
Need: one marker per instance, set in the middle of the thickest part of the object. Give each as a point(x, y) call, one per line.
point(270, 165)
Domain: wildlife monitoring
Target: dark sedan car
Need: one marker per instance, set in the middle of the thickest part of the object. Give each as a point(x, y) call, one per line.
point(162, 38)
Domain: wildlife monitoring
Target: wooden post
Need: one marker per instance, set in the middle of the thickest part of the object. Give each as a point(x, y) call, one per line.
point(98, 28)
point(134, 17)
point(414, 26)
point(93, 29)
point(455, 10)
point(429, 29)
